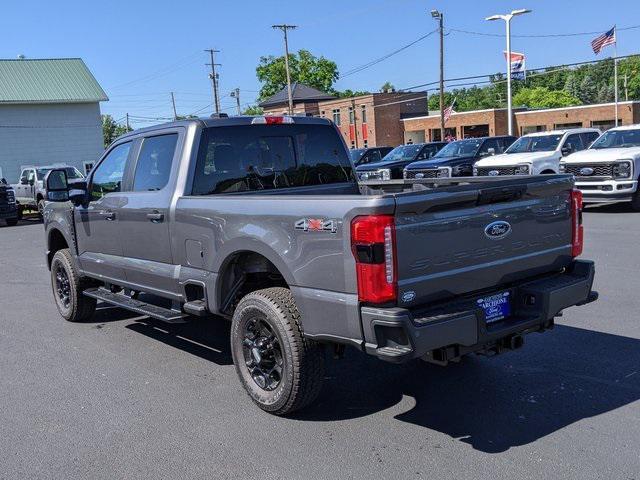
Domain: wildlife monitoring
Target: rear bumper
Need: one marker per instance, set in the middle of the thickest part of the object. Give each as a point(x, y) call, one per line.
point(398, 334)
point(8, 211)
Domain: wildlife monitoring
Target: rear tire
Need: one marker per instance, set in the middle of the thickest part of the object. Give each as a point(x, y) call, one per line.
point(41, 208)
point(68, 285)
point(280, 369)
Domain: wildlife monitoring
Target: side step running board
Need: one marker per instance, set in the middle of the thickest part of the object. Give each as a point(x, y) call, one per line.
point(165, 314)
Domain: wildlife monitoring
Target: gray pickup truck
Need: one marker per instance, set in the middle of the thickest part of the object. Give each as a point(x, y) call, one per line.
point(259, 220)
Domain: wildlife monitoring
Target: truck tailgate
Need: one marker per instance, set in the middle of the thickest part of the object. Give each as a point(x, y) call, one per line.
point(463, 239)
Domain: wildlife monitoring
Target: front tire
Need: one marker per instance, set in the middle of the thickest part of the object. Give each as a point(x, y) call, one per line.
point(68, 285)
point(635, 201)
point(280, 369)
point(41, 208)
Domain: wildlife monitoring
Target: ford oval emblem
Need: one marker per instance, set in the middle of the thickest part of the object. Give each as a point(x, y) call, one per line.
point(494, 173)
point(586, 171)
point(497, 230)
point(419, 175)
point(408, 296)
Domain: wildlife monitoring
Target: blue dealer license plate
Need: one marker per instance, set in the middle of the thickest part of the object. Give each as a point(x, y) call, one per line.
point(496, 307)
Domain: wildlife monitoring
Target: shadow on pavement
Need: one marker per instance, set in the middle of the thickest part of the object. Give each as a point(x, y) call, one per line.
point(557, 379)
point(611, 208)
point(493, 404)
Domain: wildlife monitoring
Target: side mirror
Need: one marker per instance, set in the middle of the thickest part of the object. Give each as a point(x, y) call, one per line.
point(566, 150)
point(61, 189)
point(57, 185)
point(3, 181)
point(491, 151)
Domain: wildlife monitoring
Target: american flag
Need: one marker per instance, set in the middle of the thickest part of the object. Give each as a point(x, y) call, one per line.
point(601, 41)
point(449, 111)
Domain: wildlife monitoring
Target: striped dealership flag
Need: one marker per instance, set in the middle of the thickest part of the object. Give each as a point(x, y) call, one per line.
point(449, 111)
point(601, 41)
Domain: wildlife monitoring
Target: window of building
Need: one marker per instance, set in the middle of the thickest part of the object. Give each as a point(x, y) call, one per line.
point(449, 134)
point(363, 113)
point(154, 163)
point(322, 113)
point(559, 126)
point(336, 116)
point(108, 175)
point(532, 129)
point(352, 116)
point(365, 143)
point(259, 157)
point(353, 144)
point(88, 166)
point(605, 125)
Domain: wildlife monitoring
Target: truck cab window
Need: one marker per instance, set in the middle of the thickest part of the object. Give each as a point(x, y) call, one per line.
point(107, 178)
point(154, 162)
point(251, 158)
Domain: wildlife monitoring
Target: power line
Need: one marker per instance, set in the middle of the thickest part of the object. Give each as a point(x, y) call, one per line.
point(547, 35)
point(388, 55)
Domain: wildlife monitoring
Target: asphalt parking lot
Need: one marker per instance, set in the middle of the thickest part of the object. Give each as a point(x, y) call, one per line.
point(125, 397)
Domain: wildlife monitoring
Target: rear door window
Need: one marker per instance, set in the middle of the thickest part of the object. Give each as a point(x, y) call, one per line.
point(267, 157)
point(154, 162)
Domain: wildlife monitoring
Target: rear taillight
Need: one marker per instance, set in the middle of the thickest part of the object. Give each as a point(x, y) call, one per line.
point(373, 246)
point(577, 235)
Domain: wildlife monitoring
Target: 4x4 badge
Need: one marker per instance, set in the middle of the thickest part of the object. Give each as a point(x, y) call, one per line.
point(316, 225)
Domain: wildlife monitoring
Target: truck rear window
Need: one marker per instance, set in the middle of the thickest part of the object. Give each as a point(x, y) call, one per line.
point(266, 157)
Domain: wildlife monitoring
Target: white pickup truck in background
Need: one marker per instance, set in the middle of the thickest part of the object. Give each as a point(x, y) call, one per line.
point(608, 171)
point(30, 191)
point(537, 153)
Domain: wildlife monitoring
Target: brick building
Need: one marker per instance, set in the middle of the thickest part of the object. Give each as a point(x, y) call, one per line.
point(491, 122)
point(374, 119)
point(364, 121)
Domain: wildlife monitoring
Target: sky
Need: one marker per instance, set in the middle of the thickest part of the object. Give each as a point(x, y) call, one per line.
point(140, 51)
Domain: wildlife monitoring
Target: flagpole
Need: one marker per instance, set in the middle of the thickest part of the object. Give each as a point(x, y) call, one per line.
point(615, 75)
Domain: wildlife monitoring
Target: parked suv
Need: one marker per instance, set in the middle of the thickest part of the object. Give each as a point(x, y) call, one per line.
point(362, 156)
point(8, 208)
point(608, 171)
point(457, 158)
point(30, 191)
point(259, 220)
point(392, 165)
point(537, 153)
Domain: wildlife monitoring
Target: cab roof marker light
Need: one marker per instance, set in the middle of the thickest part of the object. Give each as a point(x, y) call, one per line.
point(272, 120)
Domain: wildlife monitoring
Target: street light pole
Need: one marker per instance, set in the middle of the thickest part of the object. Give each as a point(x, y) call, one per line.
point(440, 18)
point(507, 19)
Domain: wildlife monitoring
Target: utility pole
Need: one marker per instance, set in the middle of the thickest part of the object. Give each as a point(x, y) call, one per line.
point(236, 94)
point(440, 18)
point(626, 91)
point(214, 78)
point(173, 102)
point(284, 27)
point(128, 127)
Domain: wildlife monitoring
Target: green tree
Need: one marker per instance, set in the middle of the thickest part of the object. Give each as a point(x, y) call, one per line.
point(588, 91)
point(542, 97)
point(112, 130)
point(605, 94)
point(350, 93)
point(253, 110)
point(631, 68)
point(572, 85)
point(316, 72)
point(387, 87)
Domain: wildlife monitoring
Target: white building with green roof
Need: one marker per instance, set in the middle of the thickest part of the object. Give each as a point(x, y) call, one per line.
point(49, 114)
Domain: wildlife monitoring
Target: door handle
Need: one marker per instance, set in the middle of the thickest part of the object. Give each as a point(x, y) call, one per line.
point(155, 217)
point(107, 214)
